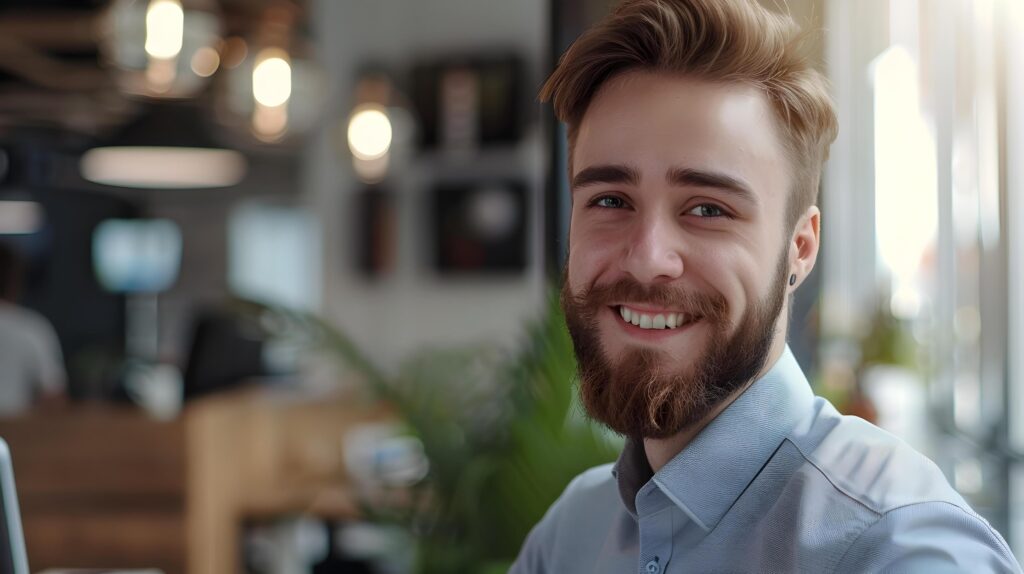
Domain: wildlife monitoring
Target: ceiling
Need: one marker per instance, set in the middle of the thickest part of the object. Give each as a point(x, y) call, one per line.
point(52, 73)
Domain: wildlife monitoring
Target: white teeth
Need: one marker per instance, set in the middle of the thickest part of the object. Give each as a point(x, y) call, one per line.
point(660, 321)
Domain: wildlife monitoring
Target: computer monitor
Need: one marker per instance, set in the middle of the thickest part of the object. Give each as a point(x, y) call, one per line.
point(13, 559)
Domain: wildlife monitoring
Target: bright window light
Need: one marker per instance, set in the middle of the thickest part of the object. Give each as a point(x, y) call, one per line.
point(906, 204)
point(165, 28)
point(274, 255)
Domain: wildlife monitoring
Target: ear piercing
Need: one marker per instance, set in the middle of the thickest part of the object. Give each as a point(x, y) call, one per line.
point(792, 279)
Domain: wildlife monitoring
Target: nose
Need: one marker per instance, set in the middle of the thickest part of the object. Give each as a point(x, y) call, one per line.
point(655, 252)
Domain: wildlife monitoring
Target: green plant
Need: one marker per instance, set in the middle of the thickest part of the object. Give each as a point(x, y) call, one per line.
point(504, 436)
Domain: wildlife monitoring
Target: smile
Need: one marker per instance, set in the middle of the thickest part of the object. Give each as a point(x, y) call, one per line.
point(655, 321)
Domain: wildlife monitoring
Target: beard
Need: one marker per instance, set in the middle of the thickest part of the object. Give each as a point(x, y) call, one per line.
point(635, 395)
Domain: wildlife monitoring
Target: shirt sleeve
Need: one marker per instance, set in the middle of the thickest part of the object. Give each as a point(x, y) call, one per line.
point(929, 537)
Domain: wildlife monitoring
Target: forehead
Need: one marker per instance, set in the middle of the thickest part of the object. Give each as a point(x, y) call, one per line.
point(658, 122)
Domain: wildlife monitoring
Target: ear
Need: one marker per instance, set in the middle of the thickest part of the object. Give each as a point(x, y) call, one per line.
point(803, 249)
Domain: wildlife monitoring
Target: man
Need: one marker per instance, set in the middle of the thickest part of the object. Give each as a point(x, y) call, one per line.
point(31, 363)
point(697, 137)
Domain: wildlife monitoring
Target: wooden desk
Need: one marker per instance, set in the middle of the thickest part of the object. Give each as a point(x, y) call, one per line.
point(106, 486)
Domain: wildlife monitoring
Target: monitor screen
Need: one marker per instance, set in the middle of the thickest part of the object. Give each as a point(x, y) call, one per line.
point(137, 255)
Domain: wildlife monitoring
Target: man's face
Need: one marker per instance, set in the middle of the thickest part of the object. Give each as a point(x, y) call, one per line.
point(678, 256)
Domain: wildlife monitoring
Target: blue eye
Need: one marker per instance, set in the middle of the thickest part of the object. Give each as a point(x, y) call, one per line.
point(608, 202)
point(707, 210)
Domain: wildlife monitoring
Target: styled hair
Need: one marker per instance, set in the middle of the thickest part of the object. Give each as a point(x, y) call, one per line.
point(714, 40)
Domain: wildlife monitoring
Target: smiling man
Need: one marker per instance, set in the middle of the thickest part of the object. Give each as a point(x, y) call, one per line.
point(697, 136)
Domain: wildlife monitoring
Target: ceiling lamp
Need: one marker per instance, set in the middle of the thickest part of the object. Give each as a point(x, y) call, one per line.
point(18, 217)
point(378, 126)
point(164, 148)
point(162, 48)
point(276, 90)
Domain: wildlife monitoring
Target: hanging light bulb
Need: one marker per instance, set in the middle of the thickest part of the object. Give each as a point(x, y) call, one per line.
point(369, 132)
point(377, 126)
point(271, 88)
point(274, 91)
point(272, 78)
point(165, 29)
point(161, 48)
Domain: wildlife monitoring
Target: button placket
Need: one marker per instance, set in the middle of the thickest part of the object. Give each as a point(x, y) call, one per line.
point(655, 542)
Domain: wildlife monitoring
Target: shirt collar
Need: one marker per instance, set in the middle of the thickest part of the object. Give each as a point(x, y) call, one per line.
point(707, 476)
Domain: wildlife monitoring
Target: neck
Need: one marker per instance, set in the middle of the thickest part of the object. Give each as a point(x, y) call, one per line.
point(661, 450)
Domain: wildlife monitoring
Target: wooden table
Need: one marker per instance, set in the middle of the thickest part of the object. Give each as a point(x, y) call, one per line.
point(104, 486)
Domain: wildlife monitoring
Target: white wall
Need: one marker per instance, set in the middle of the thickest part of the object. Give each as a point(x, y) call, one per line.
point(413, 307)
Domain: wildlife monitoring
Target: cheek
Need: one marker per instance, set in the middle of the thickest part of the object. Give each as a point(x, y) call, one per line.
point(591, 254)
point(585, 264)
point(733, 275)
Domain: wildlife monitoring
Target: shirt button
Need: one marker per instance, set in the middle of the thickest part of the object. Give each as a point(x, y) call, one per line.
point(653, 567)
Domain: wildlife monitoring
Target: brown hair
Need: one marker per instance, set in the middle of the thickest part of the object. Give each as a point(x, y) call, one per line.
point(716, 40)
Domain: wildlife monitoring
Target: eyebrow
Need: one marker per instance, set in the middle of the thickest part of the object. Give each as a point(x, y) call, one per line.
point(605, 174)
point(711, 179)
point(683, 177)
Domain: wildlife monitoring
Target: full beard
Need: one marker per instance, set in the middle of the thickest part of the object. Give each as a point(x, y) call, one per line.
point(635, 395)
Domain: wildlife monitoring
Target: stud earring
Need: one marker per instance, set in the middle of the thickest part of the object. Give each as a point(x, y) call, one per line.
point(792, 279)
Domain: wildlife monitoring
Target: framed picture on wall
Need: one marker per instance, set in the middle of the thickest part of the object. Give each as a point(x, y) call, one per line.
point(467, 103)
point(376, 231)
point(479, 227)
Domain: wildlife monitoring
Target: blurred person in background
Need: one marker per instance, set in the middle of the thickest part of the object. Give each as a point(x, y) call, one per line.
point(697, 135)
point(31, 363)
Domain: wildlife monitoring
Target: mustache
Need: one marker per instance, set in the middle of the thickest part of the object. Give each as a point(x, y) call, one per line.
point(676, 297)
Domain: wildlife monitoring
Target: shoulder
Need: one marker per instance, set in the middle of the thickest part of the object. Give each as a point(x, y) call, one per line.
point(929, 537)
point(23, 318)
point(597, 483)
point(915, 521)
point(590, 499)
point(590, 496)
point(869, 465)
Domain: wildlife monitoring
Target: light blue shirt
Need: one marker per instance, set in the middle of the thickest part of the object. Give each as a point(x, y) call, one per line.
point(778, 482)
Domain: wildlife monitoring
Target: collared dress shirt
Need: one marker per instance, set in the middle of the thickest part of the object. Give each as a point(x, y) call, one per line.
point(778, 482)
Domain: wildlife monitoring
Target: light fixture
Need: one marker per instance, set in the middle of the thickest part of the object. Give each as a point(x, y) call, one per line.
point(164, 148)
point(272, 78)
point(369, 139)
point(19, 217)
point(275, 91)
point(369, 132)
point(205, 62)
point(378, 128)
point(163, 167)
point(161, 48)
point(165, 29)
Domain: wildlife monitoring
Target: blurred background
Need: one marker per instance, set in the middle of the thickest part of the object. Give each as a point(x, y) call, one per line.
point(277, 276)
